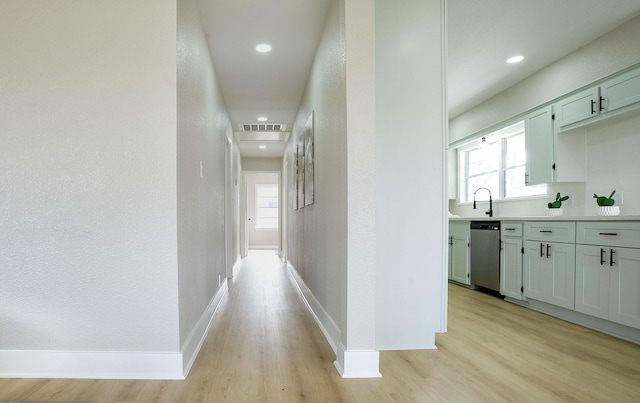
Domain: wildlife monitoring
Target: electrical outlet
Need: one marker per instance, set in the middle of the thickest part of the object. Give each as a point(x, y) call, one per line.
point(570, 201)
point(201, 169)
point(619, 198)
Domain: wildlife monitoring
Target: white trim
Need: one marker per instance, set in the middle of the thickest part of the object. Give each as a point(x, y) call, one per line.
point(90, 365)
point(327, 325)
point(236, 267)
point(111, 364)
point(273, 247)
point(350, 364)
point(422, 346)
point(196, 338)
point(358, 363)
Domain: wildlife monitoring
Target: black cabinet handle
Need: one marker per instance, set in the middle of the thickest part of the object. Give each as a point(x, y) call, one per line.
point(602, 251)
point(546, 231)
point(611, 252)
point(608, 233)
point(601, 103)
point(541, 251)
point(593, 104)
point(547, 251)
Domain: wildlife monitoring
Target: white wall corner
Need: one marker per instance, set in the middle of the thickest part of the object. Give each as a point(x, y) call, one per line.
point(196, 338)
point(357, 363)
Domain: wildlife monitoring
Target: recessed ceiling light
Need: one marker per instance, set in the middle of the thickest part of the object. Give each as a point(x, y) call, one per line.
point(515, 59)
point(262, 119)
point(262, 146)
point(263, 48)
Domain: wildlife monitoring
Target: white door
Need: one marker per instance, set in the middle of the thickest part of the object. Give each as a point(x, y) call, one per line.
point(263, 210)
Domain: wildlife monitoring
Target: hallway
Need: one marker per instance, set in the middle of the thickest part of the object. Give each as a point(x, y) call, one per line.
point(264, 346)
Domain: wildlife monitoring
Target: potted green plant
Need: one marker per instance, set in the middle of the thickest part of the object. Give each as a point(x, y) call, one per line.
point(606, 204)
point(555, 207)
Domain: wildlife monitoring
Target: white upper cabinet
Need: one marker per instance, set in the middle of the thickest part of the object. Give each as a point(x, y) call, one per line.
point(552, 157)
point(578, 107)
point(538, 135)
point(612, 97)
point(621, 92)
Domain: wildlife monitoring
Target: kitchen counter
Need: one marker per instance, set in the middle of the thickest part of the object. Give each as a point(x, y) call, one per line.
point(550, 218)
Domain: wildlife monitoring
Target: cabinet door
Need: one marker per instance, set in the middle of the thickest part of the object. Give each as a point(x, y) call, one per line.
point(549, 273)
point(539, 145)
point(624, 296)
point(460, 260)
point(621, 91)
point(563, 273)
point(592, 280)
point(511, 268)
point(534, 271)
point(578, 108)
point(459, 232)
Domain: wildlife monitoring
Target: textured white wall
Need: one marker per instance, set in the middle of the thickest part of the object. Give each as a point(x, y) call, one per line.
point(411, 132)
point(203, 129)
point(317, 234)
point(262, 164)
point(359, 306)
point(87, 176)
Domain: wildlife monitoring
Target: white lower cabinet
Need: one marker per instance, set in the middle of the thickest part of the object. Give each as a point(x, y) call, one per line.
point(549, 272)
point(511, 250)
point(549, 262)
point(459, 234)
point(607, 275)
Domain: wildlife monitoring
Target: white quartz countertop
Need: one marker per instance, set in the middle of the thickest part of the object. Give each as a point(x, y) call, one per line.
point(549, 218)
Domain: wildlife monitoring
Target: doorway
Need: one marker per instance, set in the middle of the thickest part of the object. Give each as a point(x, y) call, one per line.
point(262, 211)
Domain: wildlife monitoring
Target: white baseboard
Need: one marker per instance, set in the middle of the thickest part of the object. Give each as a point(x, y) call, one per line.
point(327, 325)
point(111, 364)
point(357, 364)
point(196, 338)
point(350, 364)
point(236, 267)
point(90, 365)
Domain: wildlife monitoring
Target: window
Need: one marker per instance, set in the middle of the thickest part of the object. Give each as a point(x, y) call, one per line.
point(266, 207)
point(497, 162)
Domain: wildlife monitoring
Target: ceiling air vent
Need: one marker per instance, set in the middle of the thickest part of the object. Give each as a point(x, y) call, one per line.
point(262, 127)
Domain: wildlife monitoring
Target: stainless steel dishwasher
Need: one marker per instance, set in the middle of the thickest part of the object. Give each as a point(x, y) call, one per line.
point(485, 254)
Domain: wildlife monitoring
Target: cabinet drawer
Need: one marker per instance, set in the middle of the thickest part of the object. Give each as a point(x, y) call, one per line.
point(546, 231)
point(511, 228)
point(621, 234)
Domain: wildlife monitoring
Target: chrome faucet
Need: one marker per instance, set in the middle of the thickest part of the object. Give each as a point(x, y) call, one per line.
point(488, 212)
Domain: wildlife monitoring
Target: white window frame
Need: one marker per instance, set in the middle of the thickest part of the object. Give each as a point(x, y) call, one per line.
point(500, 135)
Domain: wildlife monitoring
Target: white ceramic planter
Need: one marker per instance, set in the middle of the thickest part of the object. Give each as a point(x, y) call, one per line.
point(555, 212)
point(608, 210)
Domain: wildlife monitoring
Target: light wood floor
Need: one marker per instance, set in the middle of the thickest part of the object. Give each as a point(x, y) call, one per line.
point(265, 347)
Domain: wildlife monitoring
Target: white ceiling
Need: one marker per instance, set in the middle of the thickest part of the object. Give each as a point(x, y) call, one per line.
point(482, 34)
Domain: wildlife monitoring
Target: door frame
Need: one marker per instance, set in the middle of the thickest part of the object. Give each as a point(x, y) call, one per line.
point(245, 206)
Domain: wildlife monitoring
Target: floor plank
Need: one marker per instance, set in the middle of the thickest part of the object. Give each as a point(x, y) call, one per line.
point(264, 346)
